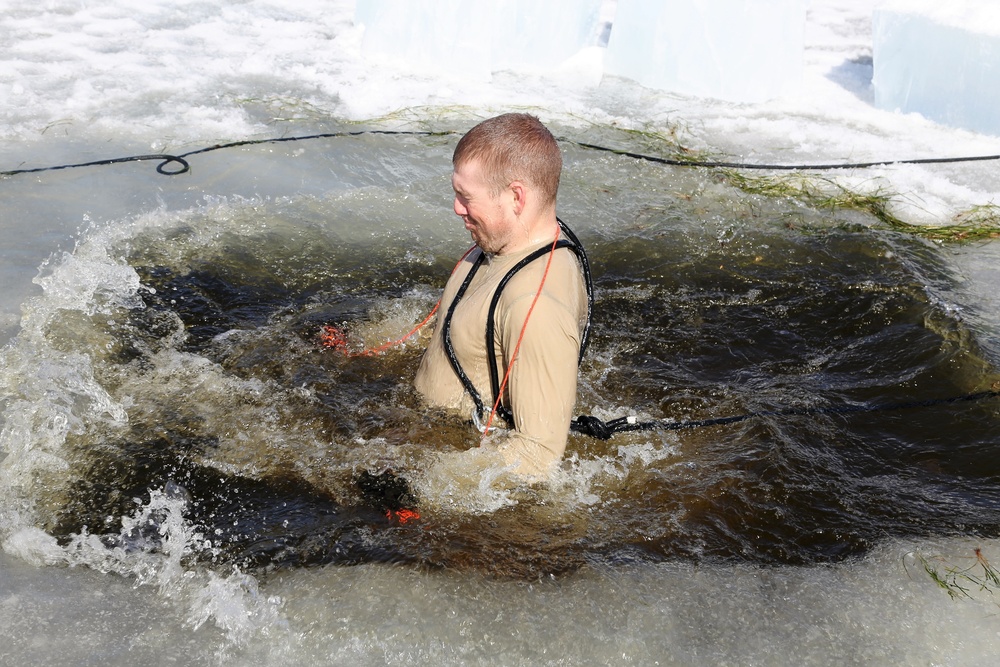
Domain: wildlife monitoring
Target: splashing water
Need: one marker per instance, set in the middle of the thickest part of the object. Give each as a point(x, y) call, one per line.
point(170, 415)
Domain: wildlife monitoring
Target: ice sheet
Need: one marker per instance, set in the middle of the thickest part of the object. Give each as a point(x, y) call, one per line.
point(475, 39)
point(940, 62)
point(736, 50)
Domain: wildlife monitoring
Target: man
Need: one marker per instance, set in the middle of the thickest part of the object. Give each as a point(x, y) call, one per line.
point(505, 178)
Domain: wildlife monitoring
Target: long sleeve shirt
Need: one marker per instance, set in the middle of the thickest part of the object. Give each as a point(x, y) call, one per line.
point(541, 391)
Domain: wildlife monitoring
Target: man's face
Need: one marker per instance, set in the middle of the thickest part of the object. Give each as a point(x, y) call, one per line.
point(490, 219)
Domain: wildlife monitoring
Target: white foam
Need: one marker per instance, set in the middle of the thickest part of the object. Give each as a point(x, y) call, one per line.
point(154, 543)
point(34, 546)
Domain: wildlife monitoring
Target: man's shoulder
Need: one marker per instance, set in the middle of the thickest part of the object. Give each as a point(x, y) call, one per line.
point(563, 268)
point(563, 285)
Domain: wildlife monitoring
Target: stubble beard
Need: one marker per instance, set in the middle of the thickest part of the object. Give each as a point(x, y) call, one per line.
point(494, 243)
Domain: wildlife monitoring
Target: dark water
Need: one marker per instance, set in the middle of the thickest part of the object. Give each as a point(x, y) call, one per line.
point(235, 407)
point(178, 353)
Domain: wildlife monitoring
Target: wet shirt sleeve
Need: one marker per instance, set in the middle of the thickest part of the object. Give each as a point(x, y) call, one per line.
point(541, 391)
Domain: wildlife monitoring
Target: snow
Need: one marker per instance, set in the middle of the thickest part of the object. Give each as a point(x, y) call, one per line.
point(115, 78)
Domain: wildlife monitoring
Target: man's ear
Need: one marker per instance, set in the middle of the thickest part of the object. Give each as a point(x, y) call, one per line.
point(519, 193)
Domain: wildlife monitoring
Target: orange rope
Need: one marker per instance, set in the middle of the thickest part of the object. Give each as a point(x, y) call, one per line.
point(375, 351)
point(332, 337)
point(517, 346)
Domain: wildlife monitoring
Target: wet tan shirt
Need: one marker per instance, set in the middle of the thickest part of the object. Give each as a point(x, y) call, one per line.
point(541, 391)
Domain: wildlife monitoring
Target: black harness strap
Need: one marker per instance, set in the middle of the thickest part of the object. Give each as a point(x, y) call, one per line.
point(573, 243)
point(449, 348)
point(491, 357)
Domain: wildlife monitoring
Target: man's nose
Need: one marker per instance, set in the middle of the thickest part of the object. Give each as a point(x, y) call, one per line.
point(459, 209)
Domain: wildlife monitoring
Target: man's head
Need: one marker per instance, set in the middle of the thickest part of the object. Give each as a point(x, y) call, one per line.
point(514, 147)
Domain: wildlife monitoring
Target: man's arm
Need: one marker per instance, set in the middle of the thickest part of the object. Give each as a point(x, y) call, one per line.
point(542, 386)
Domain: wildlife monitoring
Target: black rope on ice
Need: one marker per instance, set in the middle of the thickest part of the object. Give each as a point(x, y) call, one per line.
point(597, 428)
point(185, 167)
point(676, 162)
point(166, 159)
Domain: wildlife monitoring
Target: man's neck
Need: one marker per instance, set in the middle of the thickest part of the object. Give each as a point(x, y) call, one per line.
point(544, 228)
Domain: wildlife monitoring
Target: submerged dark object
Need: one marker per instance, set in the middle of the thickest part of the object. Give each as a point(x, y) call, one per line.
point(270, 523)
point(389, 492)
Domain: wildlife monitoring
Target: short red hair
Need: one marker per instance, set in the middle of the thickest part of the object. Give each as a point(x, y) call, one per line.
point(513, 147)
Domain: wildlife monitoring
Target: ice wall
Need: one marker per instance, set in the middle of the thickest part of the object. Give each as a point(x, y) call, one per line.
point(736, 50)
point(941, 60)
point(473, 38)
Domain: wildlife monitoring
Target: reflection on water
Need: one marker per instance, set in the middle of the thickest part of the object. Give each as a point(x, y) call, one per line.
point(202, 331)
